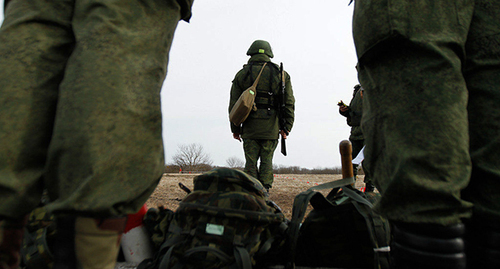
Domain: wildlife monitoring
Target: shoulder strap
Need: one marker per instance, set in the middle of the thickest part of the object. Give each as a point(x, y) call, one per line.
point(377, 229)
point(258, 77)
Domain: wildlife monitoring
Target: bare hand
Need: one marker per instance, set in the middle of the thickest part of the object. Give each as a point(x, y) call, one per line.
point(237, 136)
point(283, 134)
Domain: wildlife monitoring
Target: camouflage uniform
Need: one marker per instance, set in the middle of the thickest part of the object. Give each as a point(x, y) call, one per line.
point(260, 131)
point(80, 104)
point(430, 70)
point(77, 115)
point(353, 115)
point(263, 148)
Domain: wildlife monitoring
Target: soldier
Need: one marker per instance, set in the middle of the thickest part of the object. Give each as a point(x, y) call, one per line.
point(430, 70)
point(261, 130)
point(353, 113)
point(80, 116)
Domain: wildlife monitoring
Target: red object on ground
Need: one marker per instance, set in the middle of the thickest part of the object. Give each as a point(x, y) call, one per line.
point(135, 220)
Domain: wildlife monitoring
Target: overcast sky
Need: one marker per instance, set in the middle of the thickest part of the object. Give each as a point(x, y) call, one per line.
point(314, 41)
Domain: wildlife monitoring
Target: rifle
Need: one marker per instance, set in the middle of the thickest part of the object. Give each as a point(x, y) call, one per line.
point(282, 120)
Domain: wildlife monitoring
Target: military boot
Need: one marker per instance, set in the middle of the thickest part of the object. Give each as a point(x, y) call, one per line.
point(482, 244)
point(88, 243)
point(11, 239)
point(427, 246)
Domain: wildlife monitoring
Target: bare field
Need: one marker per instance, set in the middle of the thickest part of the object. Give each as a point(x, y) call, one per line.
point(285, 188)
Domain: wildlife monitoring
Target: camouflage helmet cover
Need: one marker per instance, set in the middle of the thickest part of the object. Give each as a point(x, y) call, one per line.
point(260, 46)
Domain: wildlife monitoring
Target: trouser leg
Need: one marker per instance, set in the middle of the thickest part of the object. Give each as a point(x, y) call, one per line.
point(415, 110)
point(108, 131)
point(252, 153)
point(357, 145)
point(87, 243)
point(266, 162)
point(35, 43)
point(483, 83)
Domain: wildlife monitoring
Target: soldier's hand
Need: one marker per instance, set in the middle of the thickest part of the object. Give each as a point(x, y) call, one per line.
point(283, 134)
point(237, 136)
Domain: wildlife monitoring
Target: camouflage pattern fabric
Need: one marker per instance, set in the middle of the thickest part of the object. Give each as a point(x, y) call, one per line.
point(354, 114)
point(260, 130)
point(430, 73)
point(226, 222)
point(263, 150)
point(263, 123)
point(356, 137)
point(80, 103)
point(40, 230)
point(157, 221)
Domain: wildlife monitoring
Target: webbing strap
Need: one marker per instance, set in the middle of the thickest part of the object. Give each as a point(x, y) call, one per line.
point(334, 184)
point(266, 246)
point(242, 258)
point(356, 197)
point(165, 261)
point(216, 252)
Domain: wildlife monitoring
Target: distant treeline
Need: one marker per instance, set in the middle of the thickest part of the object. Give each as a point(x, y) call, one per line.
point(277, 169)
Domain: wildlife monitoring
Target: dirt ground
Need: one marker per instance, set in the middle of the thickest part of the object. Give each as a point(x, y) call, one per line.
point(285, 188)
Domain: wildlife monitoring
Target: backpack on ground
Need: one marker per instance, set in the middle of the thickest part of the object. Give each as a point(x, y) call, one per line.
point(157, 220)
point(227, 221)
point(342, 230)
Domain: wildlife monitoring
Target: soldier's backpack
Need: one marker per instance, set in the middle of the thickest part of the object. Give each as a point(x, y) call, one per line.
point(157, 220)
point(227, 221)
point(245, 103)
point(342, 230)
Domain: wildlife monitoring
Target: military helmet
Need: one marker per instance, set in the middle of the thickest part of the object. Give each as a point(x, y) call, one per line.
point(260, 46)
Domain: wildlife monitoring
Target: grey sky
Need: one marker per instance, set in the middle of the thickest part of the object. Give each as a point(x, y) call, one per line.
point(312, 38)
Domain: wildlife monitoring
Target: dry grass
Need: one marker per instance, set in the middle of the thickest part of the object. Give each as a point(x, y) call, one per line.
point(284, 190)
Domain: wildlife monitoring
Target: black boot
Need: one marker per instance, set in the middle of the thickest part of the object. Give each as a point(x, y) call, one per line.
point(482, 241)
point(428, 246)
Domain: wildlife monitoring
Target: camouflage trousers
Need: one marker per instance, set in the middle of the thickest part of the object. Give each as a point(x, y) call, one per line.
point(430, 70)
point(262, 149)
point(357, 146)
point(80, 103)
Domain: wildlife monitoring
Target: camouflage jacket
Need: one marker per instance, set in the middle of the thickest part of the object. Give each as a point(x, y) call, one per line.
point(354, 114)
point(185, 6)
point(263, 123)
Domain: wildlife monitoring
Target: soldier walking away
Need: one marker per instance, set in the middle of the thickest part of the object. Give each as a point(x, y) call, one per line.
point(430, 70)
point(80, 117)
point(353, 112)
point(261, 130)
